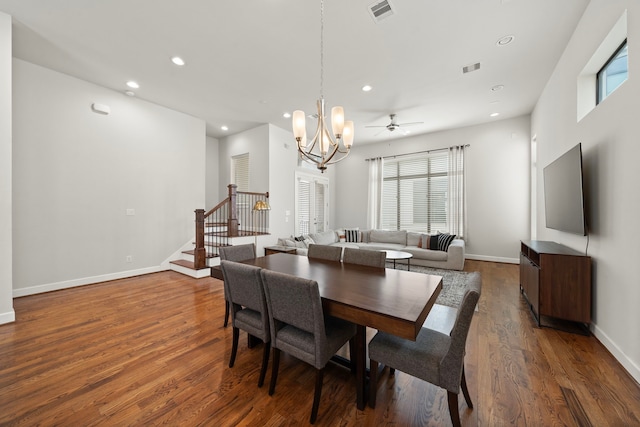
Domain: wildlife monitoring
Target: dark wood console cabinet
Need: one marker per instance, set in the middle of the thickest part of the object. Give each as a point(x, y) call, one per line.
point(556, 281)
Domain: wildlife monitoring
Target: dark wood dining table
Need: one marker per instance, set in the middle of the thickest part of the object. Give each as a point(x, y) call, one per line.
point(393, 301)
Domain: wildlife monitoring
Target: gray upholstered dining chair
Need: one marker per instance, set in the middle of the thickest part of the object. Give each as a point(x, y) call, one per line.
point(330, 253)
point(300, 328)
point(235, 253)
point(245, 293)
point(434, 357)
point(364, 257)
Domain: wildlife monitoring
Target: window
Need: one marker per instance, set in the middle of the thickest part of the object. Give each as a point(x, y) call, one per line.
point(613, 73)
point(240, 171)
point(414, 193)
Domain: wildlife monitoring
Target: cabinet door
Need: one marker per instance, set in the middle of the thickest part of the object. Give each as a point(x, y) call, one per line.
point(529, 280)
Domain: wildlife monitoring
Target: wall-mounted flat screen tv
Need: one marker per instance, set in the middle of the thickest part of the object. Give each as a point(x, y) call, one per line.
point(563, 193)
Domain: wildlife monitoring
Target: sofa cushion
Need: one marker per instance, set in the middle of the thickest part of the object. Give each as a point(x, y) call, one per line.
point(413, 238)
point(385, 236)
point(374, 246)
point(426, 253)
point(324, 238)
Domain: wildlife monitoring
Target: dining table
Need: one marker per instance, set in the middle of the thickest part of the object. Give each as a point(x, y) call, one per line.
point(389, 300)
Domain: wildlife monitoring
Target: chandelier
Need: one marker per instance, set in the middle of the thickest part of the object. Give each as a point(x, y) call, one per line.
point(324, 148)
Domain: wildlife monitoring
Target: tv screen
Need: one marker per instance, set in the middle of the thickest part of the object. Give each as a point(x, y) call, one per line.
point(563, 195)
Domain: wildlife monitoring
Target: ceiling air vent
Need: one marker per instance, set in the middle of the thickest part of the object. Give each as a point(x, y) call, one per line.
point(380, 10)
point(471, 67)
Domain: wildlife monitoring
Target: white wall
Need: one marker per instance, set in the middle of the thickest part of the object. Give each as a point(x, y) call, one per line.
point(212, 183)
point(609, 136)
point(6, 270)
point(283, 159)
point(253, 141)
point(497, 183)
point(75, 174)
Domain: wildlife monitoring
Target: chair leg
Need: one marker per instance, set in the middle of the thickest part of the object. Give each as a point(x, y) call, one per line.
point(274, 370)
point(392, 371)
point(453, 408)
point(265, 362)
point(465, 390)
point(373, 382)
point(234, 347)
point(226, 313)
point(316, 395)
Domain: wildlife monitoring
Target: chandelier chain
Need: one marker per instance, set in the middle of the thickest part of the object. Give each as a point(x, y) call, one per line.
point(321, 48)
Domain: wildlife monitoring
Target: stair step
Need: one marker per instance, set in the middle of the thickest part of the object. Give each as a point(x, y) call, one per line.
point(187, 264)
point(193, 252)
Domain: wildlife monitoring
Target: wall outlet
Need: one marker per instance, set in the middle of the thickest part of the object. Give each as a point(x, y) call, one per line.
point(129, 258)
point(131, 212)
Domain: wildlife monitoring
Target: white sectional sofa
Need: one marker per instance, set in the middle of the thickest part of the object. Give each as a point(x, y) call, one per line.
point(452, 258)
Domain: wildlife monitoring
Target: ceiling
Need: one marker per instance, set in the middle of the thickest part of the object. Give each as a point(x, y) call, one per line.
point(248, 62)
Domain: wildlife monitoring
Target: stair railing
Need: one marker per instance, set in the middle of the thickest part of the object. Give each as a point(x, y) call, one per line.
point(232, 217)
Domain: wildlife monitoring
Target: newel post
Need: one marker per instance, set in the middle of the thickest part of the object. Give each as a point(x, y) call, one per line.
point(232, 222)
point(200, 253)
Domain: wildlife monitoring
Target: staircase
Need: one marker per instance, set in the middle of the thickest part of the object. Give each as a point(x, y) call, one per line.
point(233, 221)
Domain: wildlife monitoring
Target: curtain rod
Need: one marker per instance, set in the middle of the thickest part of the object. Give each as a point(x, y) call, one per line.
point(416, 152)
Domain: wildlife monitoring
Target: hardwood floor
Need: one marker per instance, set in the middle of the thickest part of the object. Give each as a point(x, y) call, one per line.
point(152, 350)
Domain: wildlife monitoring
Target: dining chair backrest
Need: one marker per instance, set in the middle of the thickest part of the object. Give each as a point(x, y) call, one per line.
point(364, 257)
point(451, 364)
point(326, 252)
point(238, 252)
point(296, 302)
point(244, 285)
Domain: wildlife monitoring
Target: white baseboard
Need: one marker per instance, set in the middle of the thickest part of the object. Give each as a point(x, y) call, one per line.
point(492, 258)
point(621, 357)
point(8, 317)
point(32, 290)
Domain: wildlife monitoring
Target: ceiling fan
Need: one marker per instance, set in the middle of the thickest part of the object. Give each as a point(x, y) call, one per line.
point(393, 125)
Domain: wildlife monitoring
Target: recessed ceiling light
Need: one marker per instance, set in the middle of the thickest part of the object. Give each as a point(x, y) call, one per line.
point(132, 84)
point(366, 88)
point(494, 114)
point(129, 93)
point(225, 128)
point(503, 41)
point(287, 115)
point(497, 88)
point(178, 61)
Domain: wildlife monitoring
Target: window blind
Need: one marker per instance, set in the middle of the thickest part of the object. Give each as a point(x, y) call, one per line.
point(240, 173)
point(414, 193)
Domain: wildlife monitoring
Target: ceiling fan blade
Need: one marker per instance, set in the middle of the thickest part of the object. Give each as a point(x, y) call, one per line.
point(371, 126)
point(409, 124)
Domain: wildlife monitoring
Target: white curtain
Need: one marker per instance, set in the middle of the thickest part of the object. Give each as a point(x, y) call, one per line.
point(374, 212)
point(457, 203)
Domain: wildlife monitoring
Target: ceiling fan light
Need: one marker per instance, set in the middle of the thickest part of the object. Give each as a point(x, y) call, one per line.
point(337, 121)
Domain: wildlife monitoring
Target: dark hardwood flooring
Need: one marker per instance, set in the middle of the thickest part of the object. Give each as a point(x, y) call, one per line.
point(151, 350)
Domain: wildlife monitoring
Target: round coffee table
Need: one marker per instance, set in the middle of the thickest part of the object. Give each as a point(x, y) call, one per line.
point(398, 255)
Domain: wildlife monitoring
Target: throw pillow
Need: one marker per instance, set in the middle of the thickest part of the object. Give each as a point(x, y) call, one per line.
point(353, 235)
point(424, 241)
point(444, 240)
